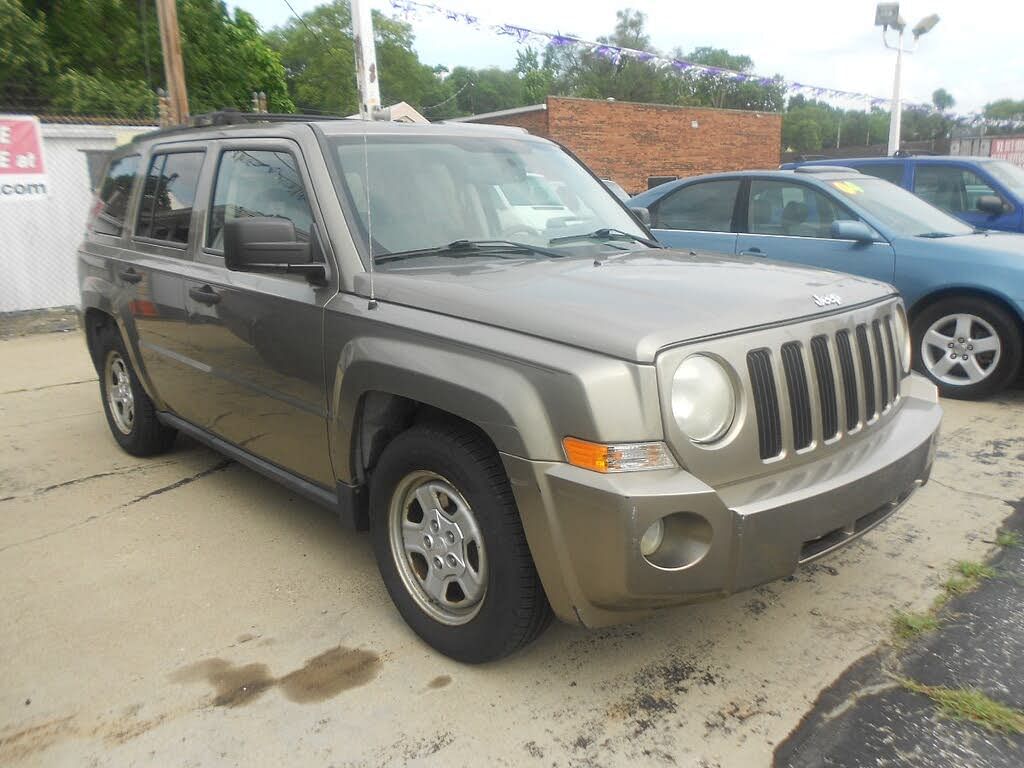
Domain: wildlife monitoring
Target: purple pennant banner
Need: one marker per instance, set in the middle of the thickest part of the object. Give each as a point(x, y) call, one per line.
point(412, 9)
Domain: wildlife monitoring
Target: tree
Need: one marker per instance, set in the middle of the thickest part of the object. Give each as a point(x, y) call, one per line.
point(943, 99)
point(801, 134)
point(25, 56)
point(226, 59)
point(62, 58)
point(319, 62)
point(1005, 109)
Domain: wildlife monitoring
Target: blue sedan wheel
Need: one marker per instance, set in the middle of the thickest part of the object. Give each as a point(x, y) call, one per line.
point(969, 346)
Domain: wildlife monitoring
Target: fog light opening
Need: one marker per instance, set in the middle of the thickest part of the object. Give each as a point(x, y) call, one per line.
point(677, 541)
point(652, 538)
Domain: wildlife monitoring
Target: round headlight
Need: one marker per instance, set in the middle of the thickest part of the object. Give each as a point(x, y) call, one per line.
point(703, 398)
point(902, 331)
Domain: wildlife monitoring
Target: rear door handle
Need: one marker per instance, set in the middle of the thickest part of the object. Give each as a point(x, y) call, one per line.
point(753, 252)
point(129, 275)
point(204, 295)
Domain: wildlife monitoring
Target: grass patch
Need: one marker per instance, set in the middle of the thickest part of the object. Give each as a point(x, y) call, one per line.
point(1010, 539)
point(909, 625)
point(972, 705)
point(974, 571)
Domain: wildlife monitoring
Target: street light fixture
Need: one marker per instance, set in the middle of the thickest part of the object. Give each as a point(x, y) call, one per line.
point(888, 15)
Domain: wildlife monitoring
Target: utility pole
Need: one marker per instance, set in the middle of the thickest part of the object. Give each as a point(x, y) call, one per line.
point(174, 68)
point(366, 60)
point(896, 110)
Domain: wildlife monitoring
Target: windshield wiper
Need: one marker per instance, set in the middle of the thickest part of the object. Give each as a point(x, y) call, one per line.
point(935, 235)
point(607, 233)
point(466, 248)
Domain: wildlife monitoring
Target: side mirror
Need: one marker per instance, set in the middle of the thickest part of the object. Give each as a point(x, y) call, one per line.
point(990, 204)
point(857, 231)
point(643, 215)
point(267, 244)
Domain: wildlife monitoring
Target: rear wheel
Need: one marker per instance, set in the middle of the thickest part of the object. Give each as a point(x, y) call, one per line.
point(130, 413)
point(969, 346)
point(450, 546)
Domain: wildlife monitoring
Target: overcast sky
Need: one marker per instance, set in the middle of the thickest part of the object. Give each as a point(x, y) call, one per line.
point(975, 52)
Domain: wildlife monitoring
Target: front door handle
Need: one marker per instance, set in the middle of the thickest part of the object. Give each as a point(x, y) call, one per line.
point(755, 251)
point(129, 275)
point(204, 295)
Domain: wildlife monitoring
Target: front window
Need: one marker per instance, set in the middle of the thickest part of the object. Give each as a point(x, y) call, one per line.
point(256, 182)
point(432, 191)
point(950, 187)
point(896, 209)
point(1009, 175)
point(795, 210)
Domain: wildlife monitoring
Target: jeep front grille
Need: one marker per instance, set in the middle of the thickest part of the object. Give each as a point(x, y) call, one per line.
point(866, 385)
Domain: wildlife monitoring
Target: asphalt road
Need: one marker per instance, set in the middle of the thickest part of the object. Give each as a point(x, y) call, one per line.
point(184, 611)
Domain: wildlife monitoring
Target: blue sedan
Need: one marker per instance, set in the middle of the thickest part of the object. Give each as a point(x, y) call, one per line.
point(963, 286)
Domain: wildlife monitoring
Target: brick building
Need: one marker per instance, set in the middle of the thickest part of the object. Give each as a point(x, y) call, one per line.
point(639, 144)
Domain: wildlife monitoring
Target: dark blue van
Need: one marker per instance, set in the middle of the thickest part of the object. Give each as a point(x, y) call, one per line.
point(982, 191)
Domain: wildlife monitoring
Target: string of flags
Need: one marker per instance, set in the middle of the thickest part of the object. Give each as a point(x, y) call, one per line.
point(616, 54)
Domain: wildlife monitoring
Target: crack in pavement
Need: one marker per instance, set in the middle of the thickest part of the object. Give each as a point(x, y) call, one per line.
point(219, 466)
point(969, 492)
point(47, 386)
point(86, 478)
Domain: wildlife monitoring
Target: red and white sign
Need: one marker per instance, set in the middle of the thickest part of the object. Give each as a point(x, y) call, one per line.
point(1010, 148)
point(22, 172)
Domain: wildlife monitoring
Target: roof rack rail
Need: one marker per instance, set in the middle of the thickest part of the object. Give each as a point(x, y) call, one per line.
point(824, 169)
point(234, 117)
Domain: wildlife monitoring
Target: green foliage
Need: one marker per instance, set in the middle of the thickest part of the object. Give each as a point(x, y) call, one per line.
point(1005, 109)
point(75, 93)
point(1010, 539)
point(972, 705)
point(25, 57)
point(318, 54)
point(226, 59)
point(103, 57)
point(943, 99)
point(909, 625)
point(975, 571)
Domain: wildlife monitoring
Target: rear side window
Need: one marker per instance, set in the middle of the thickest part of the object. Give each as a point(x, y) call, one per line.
point(115, 191)
point(168, 196)
point(253, 182)
point(889, 171)
point(706, 206)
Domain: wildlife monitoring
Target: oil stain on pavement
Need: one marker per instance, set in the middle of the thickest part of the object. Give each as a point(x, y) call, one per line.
point(320, 678)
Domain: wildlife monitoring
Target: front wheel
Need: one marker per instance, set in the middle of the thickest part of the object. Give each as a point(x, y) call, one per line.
point(968, 346)
point(450, 546)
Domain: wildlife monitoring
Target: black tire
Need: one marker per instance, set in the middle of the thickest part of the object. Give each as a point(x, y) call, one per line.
point(146, 436)
point(514, 609)
point(1006, 327)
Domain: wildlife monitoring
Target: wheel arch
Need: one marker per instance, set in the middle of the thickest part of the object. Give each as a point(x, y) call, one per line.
point(94, 320)
point(387, 385)
point(946, 292)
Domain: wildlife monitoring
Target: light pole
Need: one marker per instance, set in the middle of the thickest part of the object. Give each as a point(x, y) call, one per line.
point(888, 15)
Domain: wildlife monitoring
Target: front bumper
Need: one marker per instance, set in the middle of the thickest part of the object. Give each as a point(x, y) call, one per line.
point(584, 528)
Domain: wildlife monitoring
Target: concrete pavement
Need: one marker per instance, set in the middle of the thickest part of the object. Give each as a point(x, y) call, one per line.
point(184, 611)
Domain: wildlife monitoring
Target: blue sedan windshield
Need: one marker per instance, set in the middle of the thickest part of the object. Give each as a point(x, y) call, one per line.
point(897, 209)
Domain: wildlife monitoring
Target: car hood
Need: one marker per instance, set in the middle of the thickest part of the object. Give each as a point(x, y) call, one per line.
point(631, 306)
point(992, 243)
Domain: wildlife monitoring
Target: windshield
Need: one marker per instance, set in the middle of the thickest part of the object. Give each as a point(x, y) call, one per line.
point(897, 209)
point(1008, 174)
point(431, 191)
